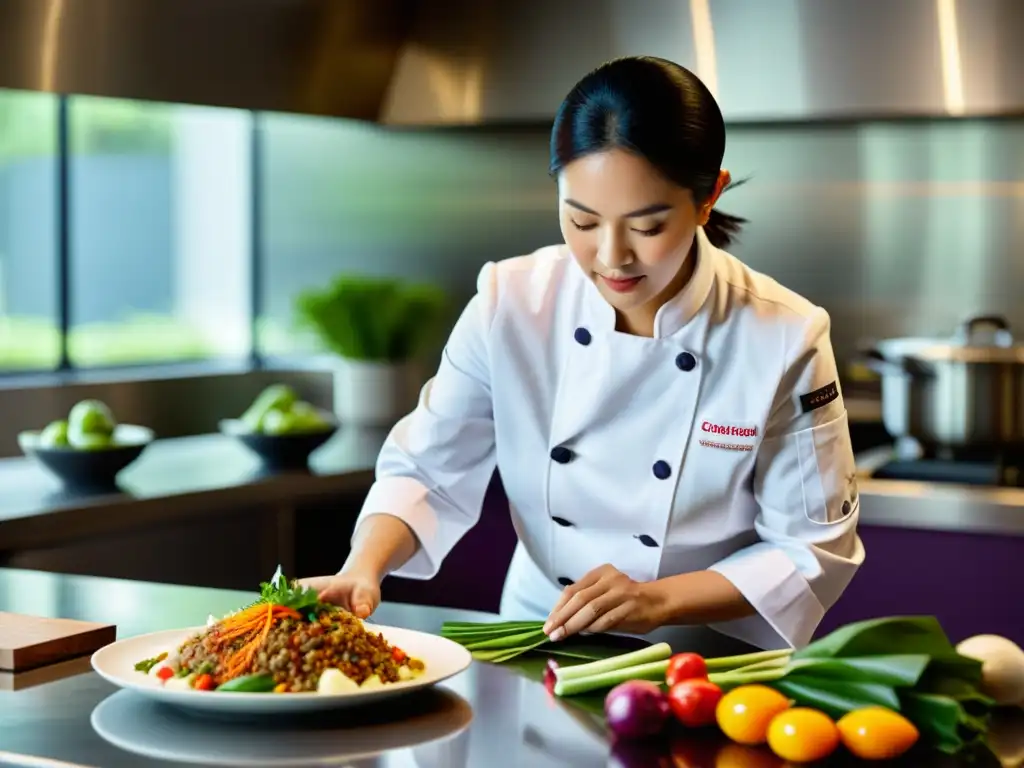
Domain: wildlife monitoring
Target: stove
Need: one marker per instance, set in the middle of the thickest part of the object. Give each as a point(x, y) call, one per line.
point(908, 460)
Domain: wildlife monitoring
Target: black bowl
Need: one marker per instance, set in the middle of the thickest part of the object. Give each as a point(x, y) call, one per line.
point(89, 469)
point(281, 452)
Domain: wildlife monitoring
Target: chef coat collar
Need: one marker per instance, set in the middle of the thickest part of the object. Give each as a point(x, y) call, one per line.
point(674, 313)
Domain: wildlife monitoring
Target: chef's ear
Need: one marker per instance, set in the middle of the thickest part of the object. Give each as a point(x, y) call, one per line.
point(723, 182)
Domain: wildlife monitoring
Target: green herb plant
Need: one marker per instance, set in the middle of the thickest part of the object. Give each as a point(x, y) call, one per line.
point(374, 319)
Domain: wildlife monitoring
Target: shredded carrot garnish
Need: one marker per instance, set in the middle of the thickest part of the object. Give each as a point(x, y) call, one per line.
point(254, 625)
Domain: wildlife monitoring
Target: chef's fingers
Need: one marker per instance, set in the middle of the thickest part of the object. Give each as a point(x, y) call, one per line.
point(565, 597)
point(593, 576)
point(590, 614)
point(610, 619)
point(575, 603)
point(362, 602)
point(589, 579)
point(336, 590)
point(318, 583)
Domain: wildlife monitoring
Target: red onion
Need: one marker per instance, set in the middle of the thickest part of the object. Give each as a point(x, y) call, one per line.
point(636, 709)
point(550, 678)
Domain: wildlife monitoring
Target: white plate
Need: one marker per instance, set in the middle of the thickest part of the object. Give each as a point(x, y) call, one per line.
point(116, 663)
point(430, 726)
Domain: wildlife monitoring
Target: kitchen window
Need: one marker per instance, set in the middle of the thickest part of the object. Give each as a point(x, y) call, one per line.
point(125, 232)
point(29, 311)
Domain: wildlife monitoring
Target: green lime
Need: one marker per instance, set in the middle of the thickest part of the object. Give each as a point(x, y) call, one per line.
point(278, 423)
point(307, 418)
point(91, 417)
point(55, 435)
point(276, 397)
point(88, 441)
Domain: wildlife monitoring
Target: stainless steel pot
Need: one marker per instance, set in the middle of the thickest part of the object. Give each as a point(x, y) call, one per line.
point(964, 392)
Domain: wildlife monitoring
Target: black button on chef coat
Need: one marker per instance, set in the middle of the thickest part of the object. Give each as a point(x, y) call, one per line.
point(564, 581)
point(561, 521)
point(582, 336)
point(646, 540)
point(662, 470)
point(561, 454)
point(685, 361)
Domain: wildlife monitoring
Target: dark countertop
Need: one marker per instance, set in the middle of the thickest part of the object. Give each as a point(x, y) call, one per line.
point(174, 479)
point(487, 717)
point(186, 477)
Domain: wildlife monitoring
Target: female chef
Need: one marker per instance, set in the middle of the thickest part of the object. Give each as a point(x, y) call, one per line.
point(668, 422)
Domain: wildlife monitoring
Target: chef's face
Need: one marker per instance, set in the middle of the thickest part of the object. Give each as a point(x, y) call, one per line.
point(630, 228)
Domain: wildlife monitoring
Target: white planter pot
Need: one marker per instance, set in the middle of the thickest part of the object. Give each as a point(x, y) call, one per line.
point(370, 393)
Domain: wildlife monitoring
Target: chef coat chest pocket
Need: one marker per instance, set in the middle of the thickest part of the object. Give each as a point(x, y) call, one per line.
point(623, 414)
point(823, 473)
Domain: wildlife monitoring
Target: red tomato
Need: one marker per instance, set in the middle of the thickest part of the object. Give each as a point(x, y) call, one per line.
point(165, 673)
point(203, 683)
point(398, 655)
point(685, 666)
point(693, 702)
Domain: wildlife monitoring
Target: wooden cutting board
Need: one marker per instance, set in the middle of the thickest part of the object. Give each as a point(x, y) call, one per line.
point(27, 642)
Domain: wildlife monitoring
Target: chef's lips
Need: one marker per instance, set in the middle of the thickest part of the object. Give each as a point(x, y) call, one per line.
point(621, 284)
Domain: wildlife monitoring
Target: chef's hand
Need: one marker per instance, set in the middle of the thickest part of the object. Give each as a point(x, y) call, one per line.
point(354, 591)
point(603, 600)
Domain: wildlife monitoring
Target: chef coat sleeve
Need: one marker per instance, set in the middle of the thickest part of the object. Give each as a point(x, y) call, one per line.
point(436, 463)
point(805, 486)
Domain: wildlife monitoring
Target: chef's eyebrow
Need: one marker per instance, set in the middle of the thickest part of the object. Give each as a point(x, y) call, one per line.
point(646, 211)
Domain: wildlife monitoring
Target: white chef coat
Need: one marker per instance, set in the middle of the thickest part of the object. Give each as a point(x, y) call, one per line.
point(721, 443)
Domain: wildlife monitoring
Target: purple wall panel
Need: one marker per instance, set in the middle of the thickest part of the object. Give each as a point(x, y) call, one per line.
point(473, 574)
point(971, 582)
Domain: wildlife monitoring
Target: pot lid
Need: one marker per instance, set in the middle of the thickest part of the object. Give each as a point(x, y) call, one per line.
point(983, 339)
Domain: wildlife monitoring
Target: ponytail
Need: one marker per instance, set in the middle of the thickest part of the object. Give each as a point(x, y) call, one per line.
point(722, 228)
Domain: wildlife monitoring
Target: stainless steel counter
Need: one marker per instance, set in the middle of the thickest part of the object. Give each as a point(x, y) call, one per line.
point(487, 717)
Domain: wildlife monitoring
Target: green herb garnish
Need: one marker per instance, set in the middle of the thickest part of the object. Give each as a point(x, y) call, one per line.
point(290, 594)
point(147, 664)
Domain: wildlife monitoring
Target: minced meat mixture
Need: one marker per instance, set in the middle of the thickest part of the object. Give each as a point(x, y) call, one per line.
point(297, 651)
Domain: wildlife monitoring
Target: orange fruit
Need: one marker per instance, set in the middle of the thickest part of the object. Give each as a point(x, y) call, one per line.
point(744, 713)
point(803, 735)
point(877, 733)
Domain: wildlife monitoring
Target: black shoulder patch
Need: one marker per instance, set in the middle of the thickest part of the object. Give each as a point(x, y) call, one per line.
point(819, 397)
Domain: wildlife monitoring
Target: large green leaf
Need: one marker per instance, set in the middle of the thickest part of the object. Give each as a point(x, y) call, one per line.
point(836, 697)
point(903, 670)
point(886, 636)
point(943, 721)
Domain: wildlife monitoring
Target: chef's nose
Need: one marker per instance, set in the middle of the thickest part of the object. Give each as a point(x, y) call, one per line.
point(614, 251)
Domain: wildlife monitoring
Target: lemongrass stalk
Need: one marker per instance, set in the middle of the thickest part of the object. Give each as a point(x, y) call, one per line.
point(609, 678)
point(659, 652)
point(742, 677)
point(611, 675)
point(723, 663)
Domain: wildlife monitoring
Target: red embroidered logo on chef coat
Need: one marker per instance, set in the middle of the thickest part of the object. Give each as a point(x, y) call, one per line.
point(727, 430)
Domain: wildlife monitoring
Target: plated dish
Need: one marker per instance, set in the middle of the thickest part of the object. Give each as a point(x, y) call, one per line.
point(287, 651)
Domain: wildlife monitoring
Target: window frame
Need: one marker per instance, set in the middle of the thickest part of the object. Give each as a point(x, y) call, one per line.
point(65, 370)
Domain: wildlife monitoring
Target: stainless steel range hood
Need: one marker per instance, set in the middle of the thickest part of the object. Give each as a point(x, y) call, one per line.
point(469, 62)
point(766, 60)
point(324, 57)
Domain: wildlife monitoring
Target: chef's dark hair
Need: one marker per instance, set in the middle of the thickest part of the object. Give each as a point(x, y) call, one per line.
point(658, 110)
